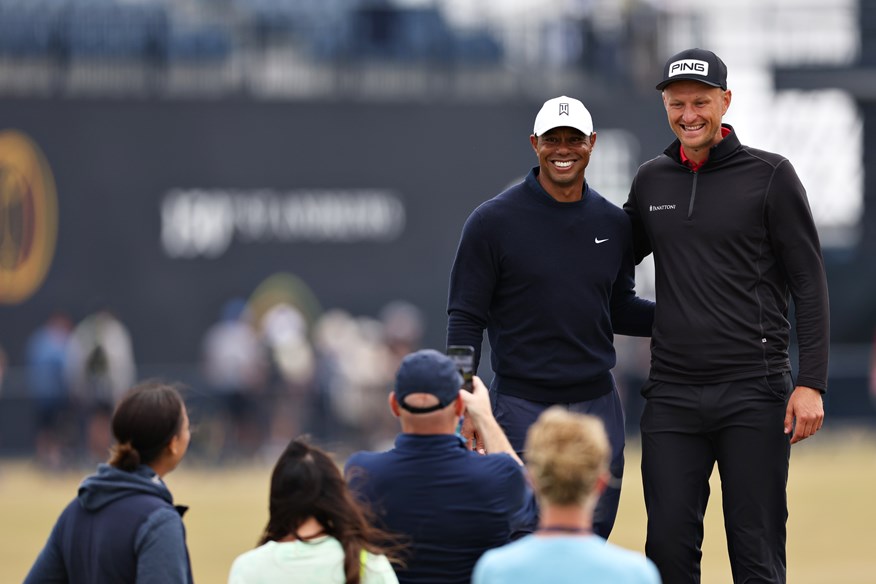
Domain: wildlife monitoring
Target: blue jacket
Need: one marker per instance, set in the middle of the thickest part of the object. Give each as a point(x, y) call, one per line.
point(452, 504)
point(122, 527)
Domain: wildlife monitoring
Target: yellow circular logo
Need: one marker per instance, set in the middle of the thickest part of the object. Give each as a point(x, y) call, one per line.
point(28, 217)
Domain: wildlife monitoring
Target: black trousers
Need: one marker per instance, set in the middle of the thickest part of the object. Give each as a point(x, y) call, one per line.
point(686, 429)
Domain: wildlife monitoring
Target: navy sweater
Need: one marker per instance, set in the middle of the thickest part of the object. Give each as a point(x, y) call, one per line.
point(551, 282)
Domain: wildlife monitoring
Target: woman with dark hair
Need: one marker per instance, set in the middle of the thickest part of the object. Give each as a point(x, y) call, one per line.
point(123, 526)
point(316, 532)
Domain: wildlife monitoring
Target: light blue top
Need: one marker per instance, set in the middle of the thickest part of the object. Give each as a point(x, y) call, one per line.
point(553, 559)
point(319, 561)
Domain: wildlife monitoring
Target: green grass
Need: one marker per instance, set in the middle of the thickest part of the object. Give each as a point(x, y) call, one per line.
point(832, 505)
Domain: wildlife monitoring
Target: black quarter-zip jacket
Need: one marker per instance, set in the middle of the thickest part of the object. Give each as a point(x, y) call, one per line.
point(733, 242)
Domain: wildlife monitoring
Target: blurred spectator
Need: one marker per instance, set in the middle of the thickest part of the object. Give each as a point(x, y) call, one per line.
point(873, 371)
point(3, 363)
point(354, 375)
point(402, 330)
point(403, 327)
point(644, 21)
point(236, 368)
point(46, 359)
point(293, 367)
point(604, 35)
point(100, 369)
point(328, 377)
point(356, 360)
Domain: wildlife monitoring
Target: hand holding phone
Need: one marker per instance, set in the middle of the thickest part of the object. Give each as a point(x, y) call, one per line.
point(463, 357)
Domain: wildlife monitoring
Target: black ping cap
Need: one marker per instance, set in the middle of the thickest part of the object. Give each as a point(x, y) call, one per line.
point(696, 65)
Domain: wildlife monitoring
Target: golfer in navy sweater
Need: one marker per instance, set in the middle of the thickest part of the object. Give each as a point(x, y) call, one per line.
point(547, 268)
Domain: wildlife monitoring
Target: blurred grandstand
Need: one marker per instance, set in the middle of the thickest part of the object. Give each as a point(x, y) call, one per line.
point(427, 49)
point(321, 48)
point(277, 48)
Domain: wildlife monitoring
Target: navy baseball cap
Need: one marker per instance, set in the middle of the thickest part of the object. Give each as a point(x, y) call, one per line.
point(696, 65)
point(427, 371)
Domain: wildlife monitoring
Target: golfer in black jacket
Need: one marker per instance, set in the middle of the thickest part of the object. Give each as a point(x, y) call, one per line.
point(733, 241)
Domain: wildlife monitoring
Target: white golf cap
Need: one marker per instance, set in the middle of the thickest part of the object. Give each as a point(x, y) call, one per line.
point(563, 111)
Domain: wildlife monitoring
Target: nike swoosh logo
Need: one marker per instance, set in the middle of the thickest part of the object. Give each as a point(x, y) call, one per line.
point(597, 240)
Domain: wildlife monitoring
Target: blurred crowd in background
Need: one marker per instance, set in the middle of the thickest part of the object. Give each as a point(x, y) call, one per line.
point(261, 380)
point(259, 383)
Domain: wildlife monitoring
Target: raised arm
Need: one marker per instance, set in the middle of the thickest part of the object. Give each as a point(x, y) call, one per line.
point(477, 408)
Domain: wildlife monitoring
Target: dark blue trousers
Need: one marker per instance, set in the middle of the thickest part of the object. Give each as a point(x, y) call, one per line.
point(686, 429)
point(516, 415)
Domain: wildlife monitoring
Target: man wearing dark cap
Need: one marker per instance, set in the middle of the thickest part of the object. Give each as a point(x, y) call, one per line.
point(450, 503)
point(733, 241)
point(547, 268)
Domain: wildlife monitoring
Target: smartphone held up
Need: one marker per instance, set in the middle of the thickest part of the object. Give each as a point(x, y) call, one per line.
point(463, 357)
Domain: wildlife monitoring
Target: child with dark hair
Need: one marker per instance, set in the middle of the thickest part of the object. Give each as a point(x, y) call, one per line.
point(316, 531)
point(123, 526)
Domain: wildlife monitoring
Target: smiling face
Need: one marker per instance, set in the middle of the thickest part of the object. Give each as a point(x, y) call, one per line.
point(563, 154)
point(694, 111)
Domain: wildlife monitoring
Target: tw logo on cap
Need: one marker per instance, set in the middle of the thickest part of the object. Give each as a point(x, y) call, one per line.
point(694, 66)
point(564, 109)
